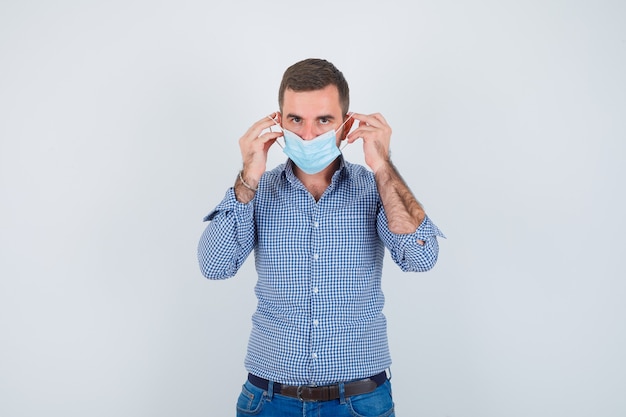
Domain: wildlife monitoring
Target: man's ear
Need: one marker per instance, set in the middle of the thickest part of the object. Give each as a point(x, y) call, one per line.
point(347, 127)
point(279, 118)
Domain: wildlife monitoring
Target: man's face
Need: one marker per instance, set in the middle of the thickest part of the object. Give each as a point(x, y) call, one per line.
point(309, 114)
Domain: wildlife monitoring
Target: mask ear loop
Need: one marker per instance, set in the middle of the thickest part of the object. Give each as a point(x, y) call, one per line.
point(345, 141)
point(279, 144)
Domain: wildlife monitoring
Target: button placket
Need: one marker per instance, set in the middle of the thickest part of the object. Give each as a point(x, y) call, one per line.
point(316, 272)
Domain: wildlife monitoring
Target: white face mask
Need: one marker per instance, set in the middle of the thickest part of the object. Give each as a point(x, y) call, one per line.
point(313, 155)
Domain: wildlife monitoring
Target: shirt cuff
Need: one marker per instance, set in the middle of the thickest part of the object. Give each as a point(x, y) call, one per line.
point(427, 229)
point(243, 211)
point(424, 232)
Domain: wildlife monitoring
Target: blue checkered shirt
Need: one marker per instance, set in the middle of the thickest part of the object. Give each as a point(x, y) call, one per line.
point(319, 316)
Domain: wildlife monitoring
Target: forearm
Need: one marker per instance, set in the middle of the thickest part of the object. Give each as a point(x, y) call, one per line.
point(219, 253)
point(404, 212)
point(228, 239)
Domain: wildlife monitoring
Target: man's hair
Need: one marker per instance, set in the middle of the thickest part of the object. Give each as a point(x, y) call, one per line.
point(314, 74)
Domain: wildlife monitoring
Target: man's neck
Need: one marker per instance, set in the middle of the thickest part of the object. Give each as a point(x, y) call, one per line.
point(316, 184)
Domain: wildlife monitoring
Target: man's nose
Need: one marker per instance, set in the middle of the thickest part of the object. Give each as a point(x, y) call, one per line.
point(308, 131)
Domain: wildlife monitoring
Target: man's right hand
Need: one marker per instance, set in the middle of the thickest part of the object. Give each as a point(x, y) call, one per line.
point(254, 147)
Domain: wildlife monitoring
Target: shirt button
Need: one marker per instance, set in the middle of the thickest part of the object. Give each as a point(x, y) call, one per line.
point(314, 355)
point(316, 256)
point(315, 290)
point(316, 224)
point(316, 322)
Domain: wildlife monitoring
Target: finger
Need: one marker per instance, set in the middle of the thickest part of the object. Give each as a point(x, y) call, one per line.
point(380, 118)
point(256, 129)
point(363, 132)
point(276, 119)
point(268, 121)
point(364, 119)
point(270, 136)
point(375, 119)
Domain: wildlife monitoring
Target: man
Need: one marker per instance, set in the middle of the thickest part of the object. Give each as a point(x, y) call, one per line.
point(318, 226)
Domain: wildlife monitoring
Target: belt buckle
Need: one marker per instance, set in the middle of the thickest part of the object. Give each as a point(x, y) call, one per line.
point(300, 388)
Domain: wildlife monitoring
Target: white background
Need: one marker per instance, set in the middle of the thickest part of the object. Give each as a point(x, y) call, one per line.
point(119, 123)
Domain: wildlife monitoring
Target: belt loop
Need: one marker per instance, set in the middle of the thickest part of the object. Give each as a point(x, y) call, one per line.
point(270, 390)
point(342, 393)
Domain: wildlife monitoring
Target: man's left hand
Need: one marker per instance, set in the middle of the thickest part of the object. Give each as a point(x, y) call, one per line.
point(376, 135)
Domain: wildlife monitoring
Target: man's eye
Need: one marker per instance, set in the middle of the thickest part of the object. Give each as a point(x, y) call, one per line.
point(295, 119)
point(324, 121)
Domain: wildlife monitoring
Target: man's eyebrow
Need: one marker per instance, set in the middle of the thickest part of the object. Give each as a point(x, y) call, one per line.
point(325, 116)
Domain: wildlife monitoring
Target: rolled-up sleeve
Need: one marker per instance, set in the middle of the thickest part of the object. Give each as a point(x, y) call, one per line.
point(228, 239)
point(406, 250)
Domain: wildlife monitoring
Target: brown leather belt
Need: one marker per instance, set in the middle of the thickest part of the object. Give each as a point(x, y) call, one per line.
point(322, 393)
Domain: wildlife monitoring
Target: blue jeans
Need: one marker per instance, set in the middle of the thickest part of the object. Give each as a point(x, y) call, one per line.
point(254, 401)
